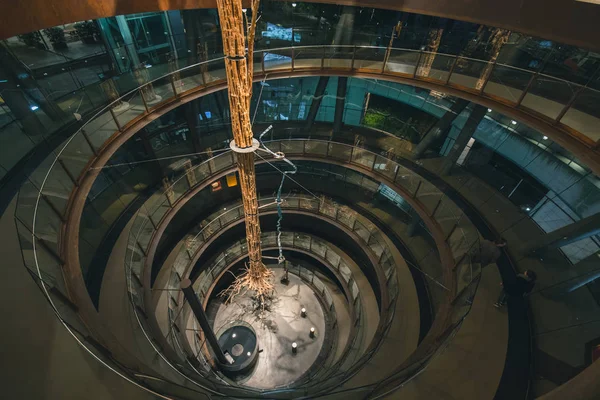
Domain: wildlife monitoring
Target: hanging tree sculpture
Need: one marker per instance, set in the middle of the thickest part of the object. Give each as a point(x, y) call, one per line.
point(239, 68)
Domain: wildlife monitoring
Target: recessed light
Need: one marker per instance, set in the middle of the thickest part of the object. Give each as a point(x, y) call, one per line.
point(489, 110)
point(545, 137)
point(513, 122)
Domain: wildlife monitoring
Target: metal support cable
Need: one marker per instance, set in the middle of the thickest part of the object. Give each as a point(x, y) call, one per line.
point(279, 156)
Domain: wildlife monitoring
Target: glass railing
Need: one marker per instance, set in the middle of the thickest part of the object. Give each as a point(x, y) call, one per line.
point(452, 221)
point(457, 230)
point(238, 249)
point(193, 246)
point(555, 101)
point(52, 185)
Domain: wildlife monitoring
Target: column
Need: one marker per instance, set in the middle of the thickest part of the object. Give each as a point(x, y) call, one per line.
point(340, 101)
point(463, 138)
point(427, 58)
point(128, 40)
point(316, 102)
point(209, 334)
point(345, 27)
point(574, 232)
point(440, 129)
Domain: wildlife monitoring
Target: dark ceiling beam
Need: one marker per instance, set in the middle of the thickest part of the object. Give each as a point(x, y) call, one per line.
point(565, 21)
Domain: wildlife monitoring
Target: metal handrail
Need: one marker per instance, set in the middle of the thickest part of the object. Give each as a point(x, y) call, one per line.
point(69, 141)
point(303, 140)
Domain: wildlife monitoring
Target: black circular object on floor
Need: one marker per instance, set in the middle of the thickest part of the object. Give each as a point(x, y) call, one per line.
point(239, 343)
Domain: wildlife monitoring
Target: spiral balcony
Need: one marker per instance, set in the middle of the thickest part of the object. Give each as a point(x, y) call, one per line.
point(132, 191)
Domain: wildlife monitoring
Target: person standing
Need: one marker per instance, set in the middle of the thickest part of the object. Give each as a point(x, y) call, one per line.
point(488, 252)
point(522, 286)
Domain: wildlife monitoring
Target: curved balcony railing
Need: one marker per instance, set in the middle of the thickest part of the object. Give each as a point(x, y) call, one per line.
point(367, 234)
point(219, 221)
point(325, 363)
point(302, 242)
point(460, 235)
point(555, 102)
point(64, 170)
point(225, 161)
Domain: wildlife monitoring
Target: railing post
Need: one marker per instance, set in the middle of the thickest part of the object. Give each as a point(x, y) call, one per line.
point(172, 79)
point(141, 248)
point(436, 208)
point(293, 49)
point(144, 101)
point(451, 70)
point(87, 139)
point(451, 232)
point(53, 207)
point(115, 119)
point(418, 62)
point(526, 90)
point(353, 57)
point(62, 164)
point(417, 189)
point(568, 105)
point(323, 58)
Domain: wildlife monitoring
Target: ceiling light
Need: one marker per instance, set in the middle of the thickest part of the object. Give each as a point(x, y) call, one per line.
point(545, 137)
point(513, 122)
point(293, 4)
point(33, 108)
point(489, 110)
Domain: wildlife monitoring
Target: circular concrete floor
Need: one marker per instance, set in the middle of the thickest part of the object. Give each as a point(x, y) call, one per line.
point(277, 365)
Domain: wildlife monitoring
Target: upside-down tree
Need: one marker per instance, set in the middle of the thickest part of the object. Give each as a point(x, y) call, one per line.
point(238, 47)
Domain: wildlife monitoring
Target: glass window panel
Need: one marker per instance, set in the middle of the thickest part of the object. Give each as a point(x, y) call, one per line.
point(402, 62)
point(316, 147)
point(364, 157)
point(369, 58)
point(308, 57)
point(468, 73)
point(338, 57)
point(135, 108)
point(584, 114)
point(548, 95)
point(339, 151)
point(507, 83)
point(278, 59)
point(435, 66)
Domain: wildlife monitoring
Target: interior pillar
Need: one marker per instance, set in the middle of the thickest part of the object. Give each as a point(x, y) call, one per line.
point(463, 138)
point(316, 102)
point(209, 334)
point(440, 129)
point(340, 101)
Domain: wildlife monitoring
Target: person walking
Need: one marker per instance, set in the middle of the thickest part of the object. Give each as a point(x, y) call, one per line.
point(488, 252)
point(522, 286)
